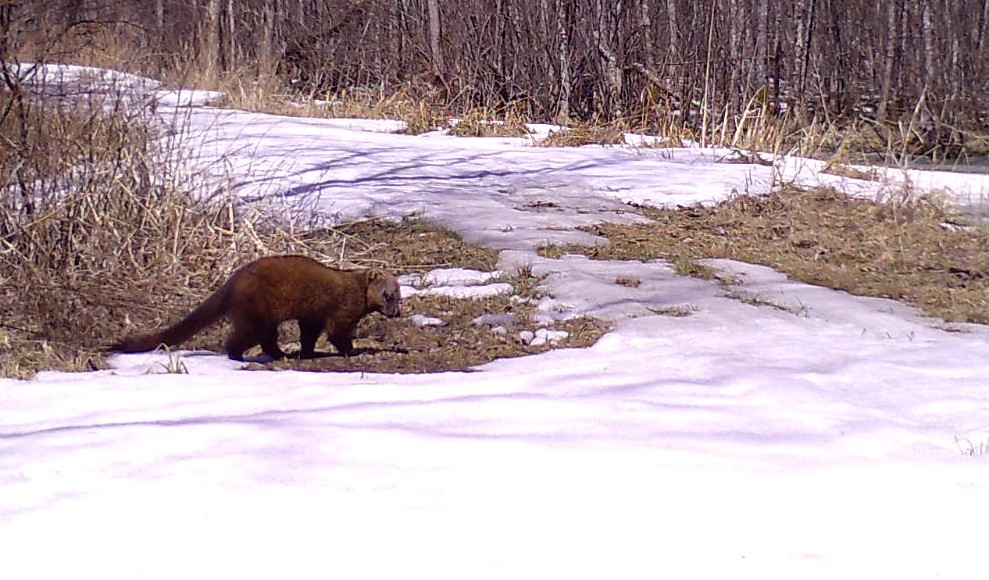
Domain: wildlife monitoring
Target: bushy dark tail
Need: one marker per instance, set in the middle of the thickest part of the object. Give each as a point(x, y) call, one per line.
point(205, 314)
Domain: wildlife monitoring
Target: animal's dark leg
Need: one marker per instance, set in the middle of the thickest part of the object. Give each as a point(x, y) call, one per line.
point(269, 343)
point(308, 335)
point(343, 343)
point(240, 340)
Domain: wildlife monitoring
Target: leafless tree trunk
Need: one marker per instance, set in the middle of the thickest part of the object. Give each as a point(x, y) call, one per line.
point(891, 50)
point(645, 32)
point(563, 59)
point(927, 32)
point(160, 19)
point(212, 26)
point(736, 92)
point(762, 47)
point(435, 52)
point(228, 44)
point(266, 51)
point(604, 42)
point(980, 32)
point(804, 24)
point(673, 30)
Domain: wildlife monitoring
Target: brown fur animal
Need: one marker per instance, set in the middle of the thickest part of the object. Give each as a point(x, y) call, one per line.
point(268, 291)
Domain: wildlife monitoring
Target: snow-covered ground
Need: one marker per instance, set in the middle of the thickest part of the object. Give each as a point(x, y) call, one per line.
point(822, 438)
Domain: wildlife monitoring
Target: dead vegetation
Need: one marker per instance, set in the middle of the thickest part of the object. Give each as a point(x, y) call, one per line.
point(485, 122)
point(411, 246)
point(907, 249)
point(586, 134)
point(643, 67)
point(95, 232)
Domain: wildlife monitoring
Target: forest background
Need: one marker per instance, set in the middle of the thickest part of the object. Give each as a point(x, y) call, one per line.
point(903, 77)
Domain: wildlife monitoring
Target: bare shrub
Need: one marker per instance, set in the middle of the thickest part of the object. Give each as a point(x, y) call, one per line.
point(97, 231)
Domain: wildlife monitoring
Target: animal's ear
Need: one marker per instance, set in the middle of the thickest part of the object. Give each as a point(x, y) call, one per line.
point(375, 275)
point(379, 277)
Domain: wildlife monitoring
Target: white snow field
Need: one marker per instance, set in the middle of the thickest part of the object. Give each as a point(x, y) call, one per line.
point(831, 437)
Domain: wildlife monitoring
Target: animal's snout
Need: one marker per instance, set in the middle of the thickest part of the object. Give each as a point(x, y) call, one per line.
point(392, 308)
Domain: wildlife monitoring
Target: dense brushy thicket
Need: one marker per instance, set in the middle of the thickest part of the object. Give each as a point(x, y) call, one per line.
point(92, 227)
point(701, 68)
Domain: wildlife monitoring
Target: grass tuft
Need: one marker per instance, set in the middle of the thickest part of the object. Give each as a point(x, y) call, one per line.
point(586, 134)
point(483, 122)
point(688, 267)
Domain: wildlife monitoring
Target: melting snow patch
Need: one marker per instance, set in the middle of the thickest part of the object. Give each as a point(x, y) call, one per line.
point(548, 304)
point(457, 277)
point(550, 311)
point(486, 291)
point(453, 283)
point(423, 320)
point(412, 280)
point(495, 319)
point(542, 336)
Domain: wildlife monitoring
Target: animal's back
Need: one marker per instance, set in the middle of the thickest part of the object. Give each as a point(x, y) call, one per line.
point(294, 287)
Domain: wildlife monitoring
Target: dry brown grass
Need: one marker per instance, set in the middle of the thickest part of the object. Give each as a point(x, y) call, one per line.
point(586, 134)
point(894, 249)
point(844, 170)
point(484, 122)
point(416, 107)
point(94, 232)
point(412, 245)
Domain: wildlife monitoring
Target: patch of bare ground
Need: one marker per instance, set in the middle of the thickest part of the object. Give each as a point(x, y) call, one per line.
point(904, 249)
point(460, 344)
point(411, 245)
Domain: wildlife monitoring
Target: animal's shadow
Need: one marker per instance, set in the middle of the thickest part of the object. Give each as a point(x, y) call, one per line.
point(362, 351)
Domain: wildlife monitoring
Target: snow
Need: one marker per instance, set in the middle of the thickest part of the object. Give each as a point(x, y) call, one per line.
point(542, 336)
point(457, 276)
point(68, 80)
point(454, 283)
point(779, 430)
point(423, 320)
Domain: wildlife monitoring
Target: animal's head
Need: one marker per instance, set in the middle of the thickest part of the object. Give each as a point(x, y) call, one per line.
point(383, 294)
